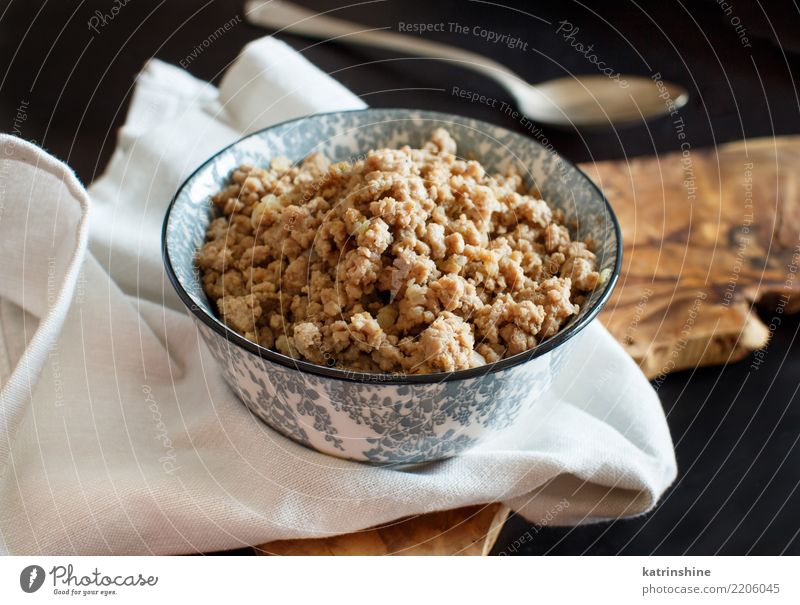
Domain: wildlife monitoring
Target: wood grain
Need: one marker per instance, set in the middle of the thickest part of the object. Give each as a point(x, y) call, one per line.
point(706, 236)
point(464, 531)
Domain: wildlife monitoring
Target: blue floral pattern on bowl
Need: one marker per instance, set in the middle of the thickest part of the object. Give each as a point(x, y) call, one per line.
point(385, 418)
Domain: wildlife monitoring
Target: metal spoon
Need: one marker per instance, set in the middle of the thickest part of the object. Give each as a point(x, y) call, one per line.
point(574, 101)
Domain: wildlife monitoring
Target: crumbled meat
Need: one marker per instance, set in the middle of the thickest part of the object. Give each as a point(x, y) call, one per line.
point(445, 345)
point(408, 260)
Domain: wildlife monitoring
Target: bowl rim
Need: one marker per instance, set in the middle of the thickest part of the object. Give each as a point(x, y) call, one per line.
point(307, 367)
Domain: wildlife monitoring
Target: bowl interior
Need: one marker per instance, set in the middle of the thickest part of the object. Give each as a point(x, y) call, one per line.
point(347, 135)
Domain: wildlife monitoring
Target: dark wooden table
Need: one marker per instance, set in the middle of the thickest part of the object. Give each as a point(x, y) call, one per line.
point(67, 87)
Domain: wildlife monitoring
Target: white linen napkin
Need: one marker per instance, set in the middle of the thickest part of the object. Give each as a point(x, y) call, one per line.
point(117, 433)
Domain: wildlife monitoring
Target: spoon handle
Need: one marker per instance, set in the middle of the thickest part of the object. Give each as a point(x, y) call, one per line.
point(293, 19)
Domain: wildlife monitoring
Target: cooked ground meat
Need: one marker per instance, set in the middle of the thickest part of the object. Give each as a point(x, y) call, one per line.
point(409, 261)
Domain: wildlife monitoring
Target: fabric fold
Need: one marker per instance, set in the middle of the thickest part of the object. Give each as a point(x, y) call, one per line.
point(40, 266)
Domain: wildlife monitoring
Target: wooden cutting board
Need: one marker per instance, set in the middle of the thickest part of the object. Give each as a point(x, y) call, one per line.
point(706, 236)
point(465, 531)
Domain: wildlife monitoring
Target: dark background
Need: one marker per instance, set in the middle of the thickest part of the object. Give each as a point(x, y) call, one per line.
point(736, 439)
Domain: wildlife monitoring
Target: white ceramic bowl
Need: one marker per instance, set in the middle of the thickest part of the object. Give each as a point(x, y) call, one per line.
point(375, 417)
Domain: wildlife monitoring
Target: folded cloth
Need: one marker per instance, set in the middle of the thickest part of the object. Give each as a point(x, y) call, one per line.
point(117, 433)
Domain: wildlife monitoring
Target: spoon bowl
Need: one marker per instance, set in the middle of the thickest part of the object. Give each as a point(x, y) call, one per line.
point(596, 100)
